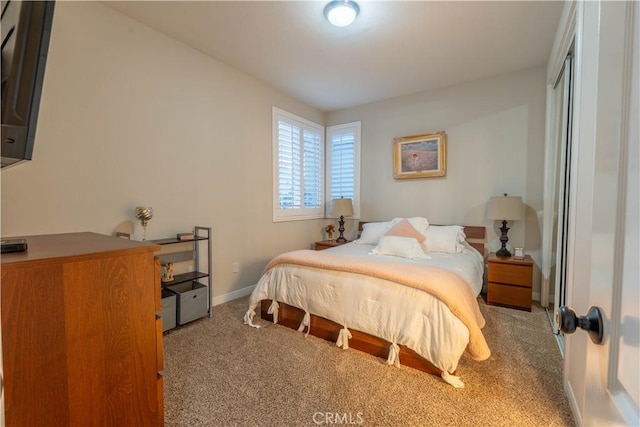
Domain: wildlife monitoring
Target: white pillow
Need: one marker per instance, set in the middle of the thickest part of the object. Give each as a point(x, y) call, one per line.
point(419, 223)
point(372, 231)
point(405, 247)
point(445, 238)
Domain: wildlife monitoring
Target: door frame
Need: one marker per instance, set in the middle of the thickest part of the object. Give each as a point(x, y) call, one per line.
point(563, 44)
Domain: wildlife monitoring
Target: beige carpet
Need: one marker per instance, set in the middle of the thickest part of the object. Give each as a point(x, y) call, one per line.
point(219, 372)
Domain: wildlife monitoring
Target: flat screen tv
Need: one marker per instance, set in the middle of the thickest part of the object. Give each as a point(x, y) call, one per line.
point(26, 30)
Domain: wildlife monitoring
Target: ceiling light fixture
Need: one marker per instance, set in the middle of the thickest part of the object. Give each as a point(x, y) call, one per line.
point(341, 12)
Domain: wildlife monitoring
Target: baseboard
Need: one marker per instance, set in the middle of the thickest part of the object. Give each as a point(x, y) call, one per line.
point(221, 299)
point(535, 296)
point(573, 403)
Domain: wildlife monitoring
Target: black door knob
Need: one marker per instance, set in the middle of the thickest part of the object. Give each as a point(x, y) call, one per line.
point(568, 321)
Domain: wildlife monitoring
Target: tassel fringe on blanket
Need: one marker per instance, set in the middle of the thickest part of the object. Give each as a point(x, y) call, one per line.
point(343, 341)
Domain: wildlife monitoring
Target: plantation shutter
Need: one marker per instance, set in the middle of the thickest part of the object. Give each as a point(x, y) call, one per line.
point(312, 161)
point(289, 166)
point(298, 167)
point(343, 164)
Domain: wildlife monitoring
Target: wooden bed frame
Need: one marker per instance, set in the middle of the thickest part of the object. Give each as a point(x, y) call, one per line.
point(320, 327)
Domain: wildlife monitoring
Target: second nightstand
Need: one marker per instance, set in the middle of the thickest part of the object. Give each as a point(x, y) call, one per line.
point(326, 244)
point(510, 281)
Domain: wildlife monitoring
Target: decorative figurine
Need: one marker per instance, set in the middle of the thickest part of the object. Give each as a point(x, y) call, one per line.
point(144, 214)
point(167, 272)
point(330, 229)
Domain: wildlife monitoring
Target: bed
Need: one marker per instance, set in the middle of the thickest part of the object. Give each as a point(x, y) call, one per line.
point(407, 296)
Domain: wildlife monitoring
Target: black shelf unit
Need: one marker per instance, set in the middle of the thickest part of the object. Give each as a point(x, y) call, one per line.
point(175, 240)
point(185, 277)
point(190, 252)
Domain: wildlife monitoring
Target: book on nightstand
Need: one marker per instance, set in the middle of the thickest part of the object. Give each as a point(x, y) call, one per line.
point(185, 236)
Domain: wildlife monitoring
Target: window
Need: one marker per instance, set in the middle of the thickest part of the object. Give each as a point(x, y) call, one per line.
point(343, 165)
point(298, 165)
point(301, 185)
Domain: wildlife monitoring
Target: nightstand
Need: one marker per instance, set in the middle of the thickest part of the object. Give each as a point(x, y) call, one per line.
point(326, 244)
point(510, 281)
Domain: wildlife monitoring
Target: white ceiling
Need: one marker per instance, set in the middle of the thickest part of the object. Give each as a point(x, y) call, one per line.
point(394, 48)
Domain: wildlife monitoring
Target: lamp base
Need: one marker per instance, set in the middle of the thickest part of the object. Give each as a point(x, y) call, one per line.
point(503, 253)
point(341, 238)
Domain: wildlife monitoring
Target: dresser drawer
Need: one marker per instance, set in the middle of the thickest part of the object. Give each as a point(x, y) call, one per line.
point(511, 296)
point(519, 275)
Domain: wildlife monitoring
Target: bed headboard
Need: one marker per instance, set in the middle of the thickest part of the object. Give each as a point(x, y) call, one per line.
point(476, 235)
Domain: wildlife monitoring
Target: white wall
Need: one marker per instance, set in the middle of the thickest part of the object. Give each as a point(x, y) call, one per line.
point(495, 129)
point(131, 117)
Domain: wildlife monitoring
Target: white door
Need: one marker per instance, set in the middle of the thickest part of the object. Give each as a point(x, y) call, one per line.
point(602, 381)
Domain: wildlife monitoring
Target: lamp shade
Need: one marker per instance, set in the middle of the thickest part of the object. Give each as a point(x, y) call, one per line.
point(341, 207)
point(505, 208)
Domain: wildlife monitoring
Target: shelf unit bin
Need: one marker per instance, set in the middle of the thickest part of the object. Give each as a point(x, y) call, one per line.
point(191, 301)
point(169, 308)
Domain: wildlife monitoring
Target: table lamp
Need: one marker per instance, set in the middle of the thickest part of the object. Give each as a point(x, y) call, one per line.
point(505, 208)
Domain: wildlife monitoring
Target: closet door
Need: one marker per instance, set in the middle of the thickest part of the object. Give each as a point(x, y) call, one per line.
point(563, 181)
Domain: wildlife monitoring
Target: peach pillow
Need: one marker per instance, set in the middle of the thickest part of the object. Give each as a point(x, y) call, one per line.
point(404, 229)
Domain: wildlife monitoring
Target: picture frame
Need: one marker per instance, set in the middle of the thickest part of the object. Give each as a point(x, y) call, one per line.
point(518, 253)
point(420, 156)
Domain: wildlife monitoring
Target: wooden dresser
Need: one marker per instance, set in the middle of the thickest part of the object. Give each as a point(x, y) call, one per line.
point(510, 281)
point(81, 340)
